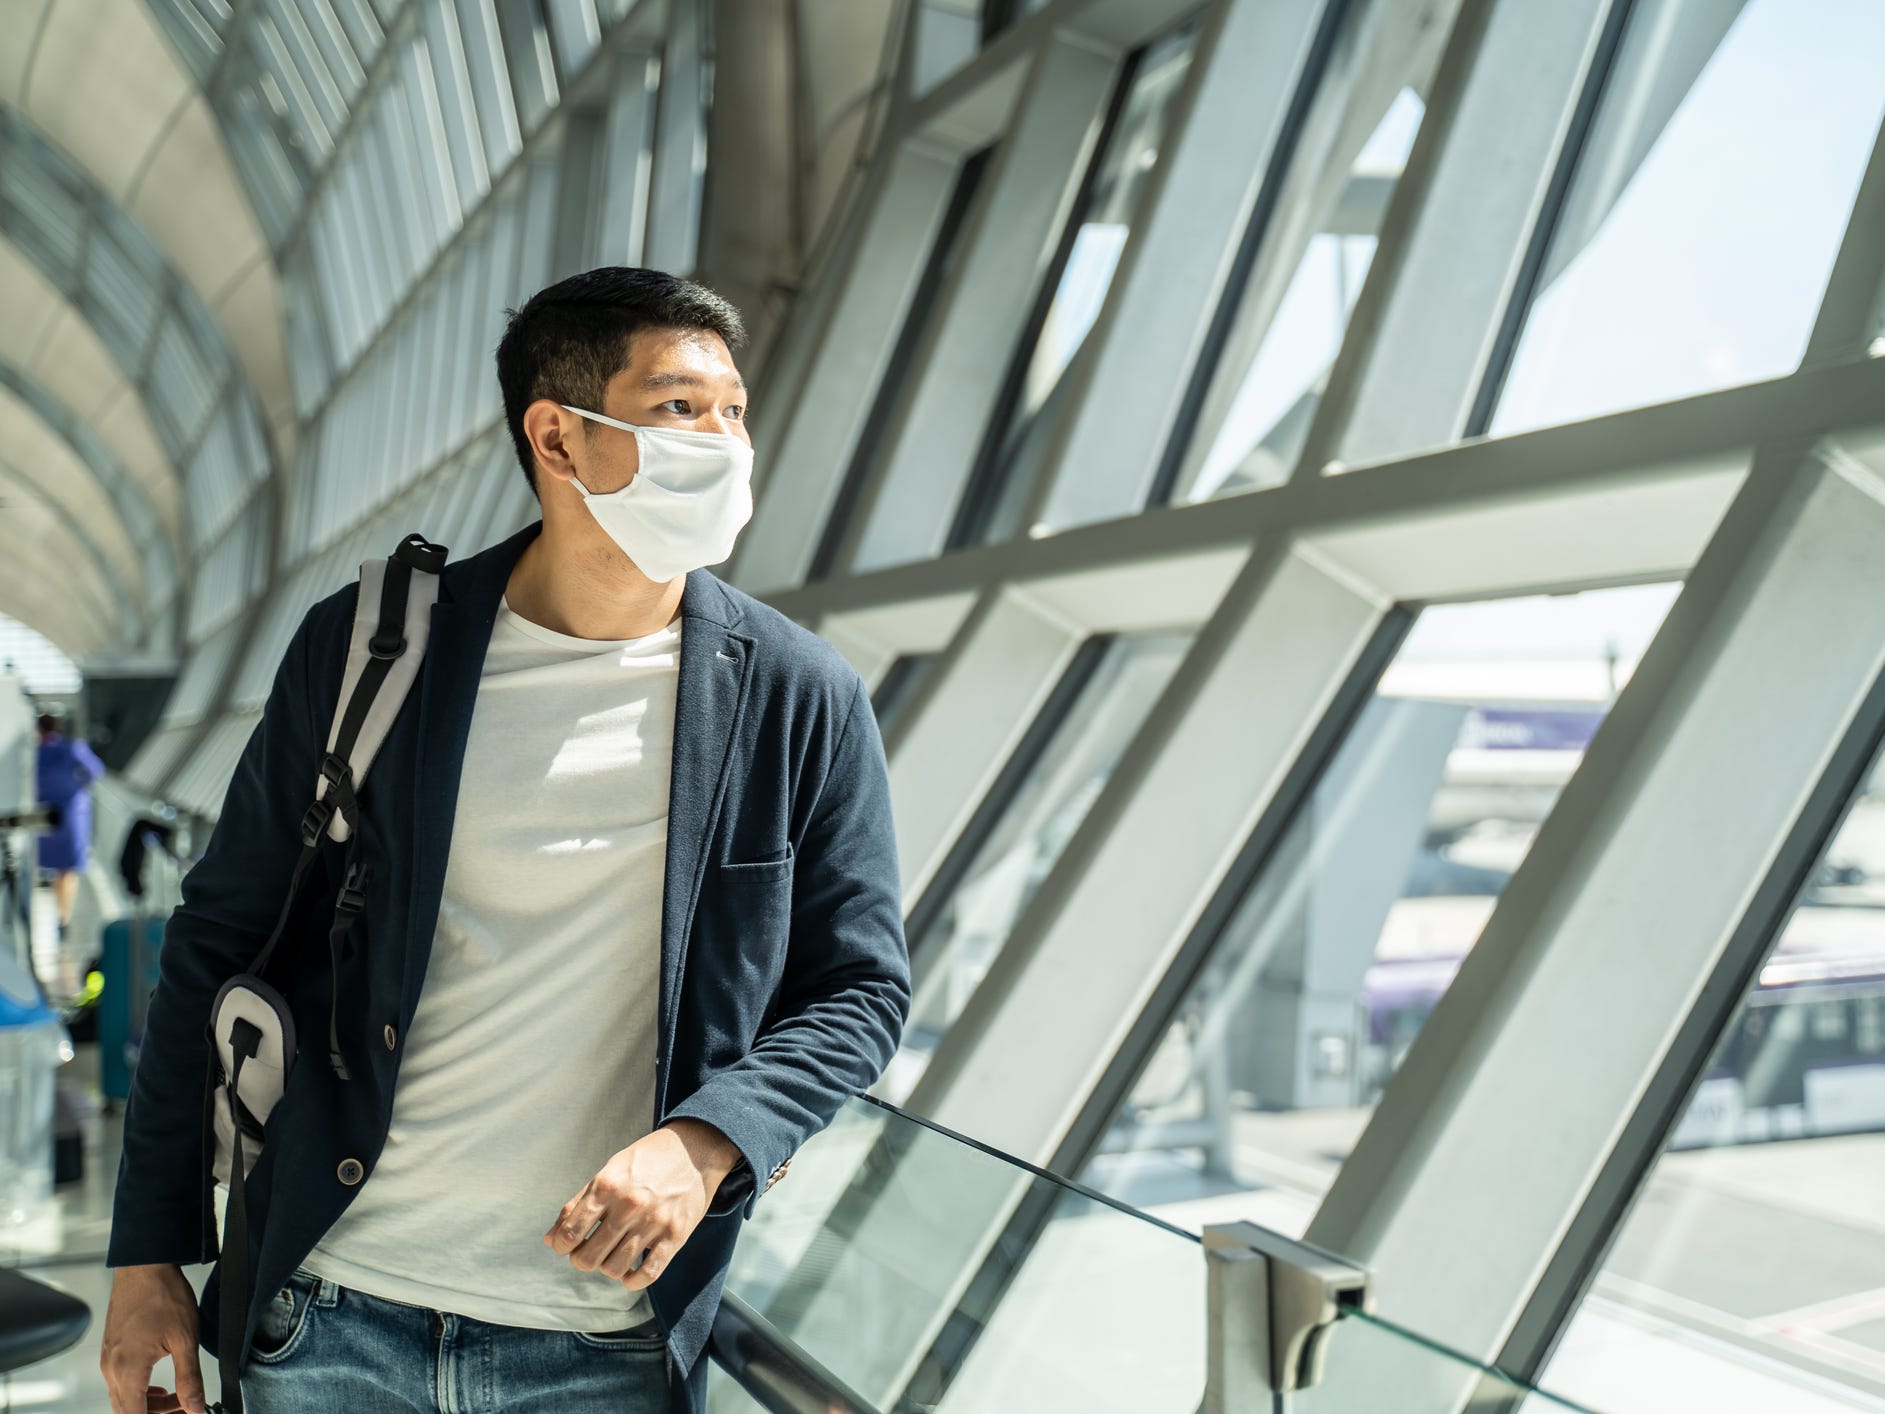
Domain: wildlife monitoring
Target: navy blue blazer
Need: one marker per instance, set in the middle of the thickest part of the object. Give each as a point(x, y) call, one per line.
point(785, 978)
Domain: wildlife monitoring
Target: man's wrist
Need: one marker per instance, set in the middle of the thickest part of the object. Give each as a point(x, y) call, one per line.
point(713, 1153)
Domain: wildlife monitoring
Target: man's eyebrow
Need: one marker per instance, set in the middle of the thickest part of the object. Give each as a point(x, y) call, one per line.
point(684, 380)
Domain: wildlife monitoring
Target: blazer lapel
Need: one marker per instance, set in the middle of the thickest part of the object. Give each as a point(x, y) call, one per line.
point(716, 669)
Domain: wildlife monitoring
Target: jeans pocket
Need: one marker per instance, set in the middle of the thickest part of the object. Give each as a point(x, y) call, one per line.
point(278, 1332)
point(645, 1337)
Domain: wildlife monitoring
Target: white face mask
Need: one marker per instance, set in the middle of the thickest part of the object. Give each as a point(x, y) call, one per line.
point(686, 503)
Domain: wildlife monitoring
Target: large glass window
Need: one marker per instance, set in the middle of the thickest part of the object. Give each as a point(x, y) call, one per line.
point(1307, 252)
point(1360, 916)
point(1707, 206)
point(958, 929)
point(1751, 1272)
point(1075, 288)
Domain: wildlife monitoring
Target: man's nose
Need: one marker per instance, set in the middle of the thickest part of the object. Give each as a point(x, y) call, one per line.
point(712, 421)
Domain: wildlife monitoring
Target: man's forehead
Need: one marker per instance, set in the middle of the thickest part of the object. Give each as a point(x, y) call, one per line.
point(678, 359)
point(687, 378)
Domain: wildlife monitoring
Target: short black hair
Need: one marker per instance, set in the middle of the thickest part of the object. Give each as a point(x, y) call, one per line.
point(48, 722)
point(569, 339)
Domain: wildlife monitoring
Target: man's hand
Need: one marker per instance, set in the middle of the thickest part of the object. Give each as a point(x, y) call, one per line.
point(648, 1198)
point(152, 1314)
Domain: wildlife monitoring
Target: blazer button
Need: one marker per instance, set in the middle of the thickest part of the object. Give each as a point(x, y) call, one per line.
point(389, 1038)
point(351, 1171)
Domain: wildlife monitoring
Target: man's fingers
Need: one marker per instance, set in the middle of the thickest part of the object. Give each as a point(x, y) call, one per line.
point(125, 1384)
point(595, 1249)
point(573, 1223)
point(188, 1368)
point(652, 1265)
point(621, 1259)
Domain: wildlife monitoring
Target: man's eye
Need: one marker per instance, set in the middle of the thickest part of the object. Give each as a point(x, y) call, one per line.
point(737, 411)
point(679, 405)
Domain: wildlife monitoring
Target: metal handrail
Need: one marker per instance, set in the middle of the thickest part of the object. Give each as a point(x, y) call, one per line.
point(773, 1368)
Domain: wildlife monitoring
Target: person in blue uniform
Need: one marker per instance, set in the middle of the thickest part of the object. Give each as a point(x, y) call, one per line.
point(67, 767)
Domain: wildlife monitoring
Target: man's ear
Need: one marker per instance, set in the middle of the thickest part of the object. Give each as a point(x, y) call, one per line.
point(551, 430)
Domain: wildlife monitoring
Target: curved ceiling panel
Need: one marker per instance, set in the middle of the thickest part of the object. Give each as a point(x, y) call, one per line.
point(34, 455)
point(122, 324)
point(99, 79)
point(43, 338)
point(160, 573)
point(50, 584)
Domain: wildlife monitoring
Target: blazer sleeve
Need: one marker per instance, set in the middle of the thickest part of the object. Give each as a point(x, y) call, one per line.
point(231, 897)
point(845, 993)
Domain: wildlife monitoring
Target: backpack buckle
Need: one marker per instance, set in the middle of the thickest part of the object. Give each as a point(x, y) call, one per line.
point(338, 772)
point(314, 822)
point(353, 892)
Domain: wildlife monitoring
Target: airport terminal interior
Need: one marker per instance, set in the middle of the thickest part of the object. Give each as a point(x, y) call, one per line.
point(1363, 524)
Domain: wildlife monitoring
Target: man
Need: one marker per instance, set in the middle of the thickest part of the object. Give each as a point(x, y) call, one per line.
point(632, 934)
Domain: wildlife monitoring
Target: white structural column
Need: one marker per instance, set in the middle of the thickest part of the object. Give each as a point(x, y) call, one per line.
point(680, 152)
point(984, 307)
point(1601, 942)
point(872, 639)
point(1008, 654)
point(629, 136)
point(1140, 353)
point(807, 465)
point(1424, 325)
point(1134, 875)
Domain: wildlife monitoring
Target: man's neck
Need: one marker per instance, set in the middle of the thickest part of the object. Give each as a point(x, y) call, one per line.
point(589, 591)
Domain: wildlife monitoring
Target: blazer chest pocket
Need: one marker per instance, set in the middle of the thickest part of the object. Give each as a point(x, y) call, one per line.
point(746, 913)
point(759, 871)
point(755, 897)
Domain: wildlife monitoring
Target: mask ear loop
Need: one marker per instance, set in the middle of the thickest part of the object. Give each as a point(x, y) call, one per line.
point(641, 451)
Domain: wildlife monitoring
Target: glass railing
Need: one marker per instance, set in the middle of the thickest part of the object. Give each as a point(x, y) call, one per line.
point(1372, 1364)
point(898, 1266)
point(916, 1269)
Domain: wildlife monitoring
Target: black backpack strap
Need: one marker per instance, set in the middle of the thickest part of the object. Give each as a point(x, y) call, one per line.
point(352, 899)
point(392, 618)
point(233, 1312)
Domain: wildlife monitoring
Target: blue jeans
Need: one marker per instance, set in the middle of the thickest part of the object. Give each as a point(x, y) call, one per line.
point(322, 1347)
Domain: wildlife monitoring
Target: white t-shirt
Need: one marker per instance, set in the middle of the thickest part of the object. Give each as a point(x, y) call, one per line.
point(531, 1058)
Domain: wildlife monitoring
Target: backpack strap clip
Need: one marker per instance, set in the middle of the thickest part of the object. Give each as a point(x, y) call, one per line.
point(314, 822)
point(353, 891)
